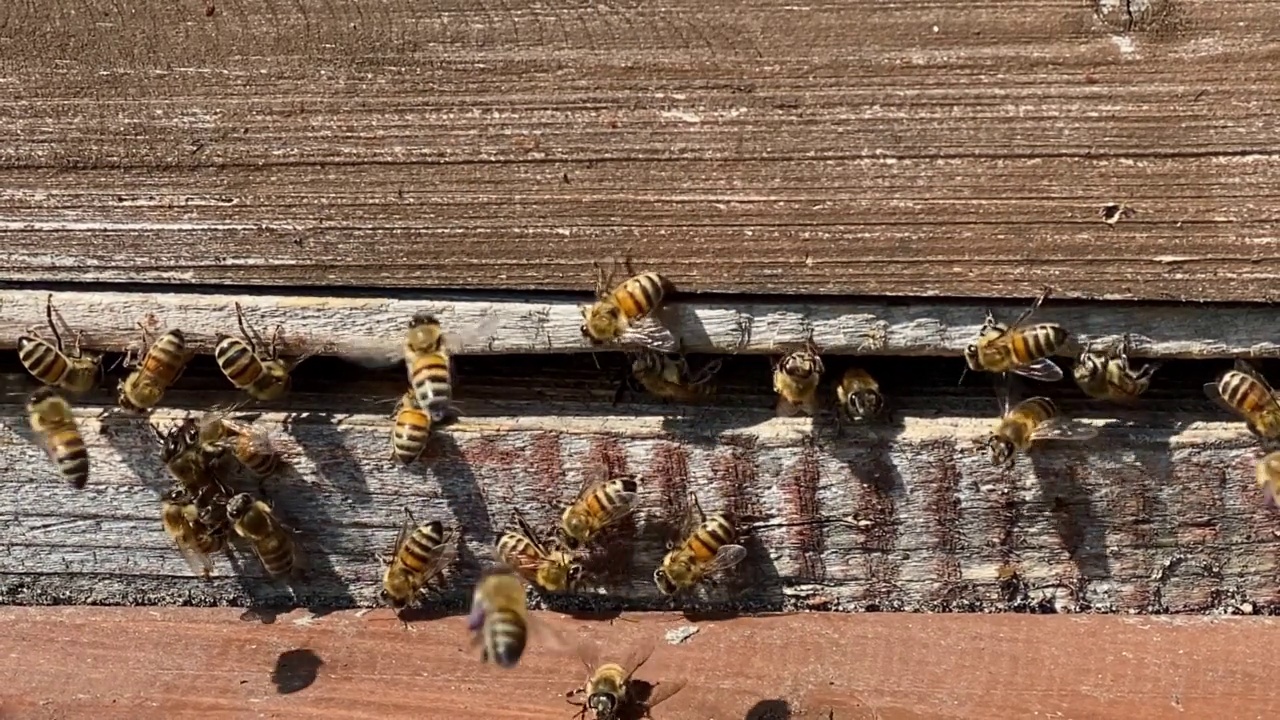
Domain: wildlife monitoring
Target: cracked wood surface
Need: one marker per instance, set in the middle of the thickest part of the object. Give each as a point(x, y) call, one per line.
point(341, 665)
point(956, 148)
point(375, 325)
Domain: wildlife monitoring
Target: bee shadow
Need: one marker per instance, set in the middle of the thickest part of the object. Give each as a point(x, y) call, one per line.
point(295, 670)
point(444, 462)
point(324, 445)
point(1061, 472)
point(774, 709)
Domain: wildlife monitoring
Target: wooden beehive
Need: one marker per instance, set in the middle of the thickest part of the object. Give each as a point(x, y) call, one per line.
point(871, 176)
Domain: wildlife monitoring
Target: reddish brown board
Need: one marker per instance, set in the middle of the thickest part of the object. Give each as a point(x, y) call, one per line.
point(158, 663)
point(945, 148)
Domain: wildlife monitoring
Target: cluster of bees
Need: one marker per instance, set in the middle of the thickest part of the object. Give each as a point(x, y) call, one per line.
point(203, 513)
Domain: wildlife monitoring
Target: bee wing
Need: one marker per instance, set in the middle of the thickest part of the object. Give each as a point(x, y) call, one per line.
point(482, 333)
point(1043, 369)
point(626, 503)
point(1064, 429)
point(649, 333)
point(199, 563)
point(1246, 367)
point(726, 557)
point(258, 438)
point(370, 355)
point(406, 528)
point(663, 691)
point(541, 632)
point(705, 374)
point(589, 654)
point(637, 656)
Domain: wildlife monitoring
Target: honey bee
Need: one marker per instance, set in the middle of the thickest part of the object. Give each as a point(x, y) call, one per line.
point(552, 570)
point(75, 373)
point(419, 554)
point(597, 506)
point(1269, 477)
point(499, 620)
point(52, 420)
point(709, 546)
point(610, 691)
point(248, 443)
point(430, 371)
point(1030, 420)
point(1106, 375)
point(188, 460)
point(263, 377)
point(410, 431)
point(160, 368)
point(795, 379)
point(196, 541)
point(272, 540)
point(669, 377)
point(1245, 392)
point(858, 395)
point(624, 311)
point(1018, 348)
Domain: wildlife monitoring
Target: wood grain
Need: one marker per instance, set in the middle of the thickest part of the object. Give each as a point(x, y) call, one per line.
point(959, 148)
point(364, 325)
point(941, 667)
point(1158, 514)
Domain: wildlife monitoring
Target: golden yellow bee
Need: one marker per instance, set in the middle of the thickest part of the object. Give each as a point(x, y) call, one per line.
point(499, 620)
point(1018, 348)
point(669, 377)
point(1031, 420)
point(196, 541)
point(1245, 392)
point(623, 312)
point(410, 431)
point(1106, 375)
point(188, 460)
point(160, 368)
point(75, 373)
point(52, 420)
point(420, 553)
point(709, 546)
point(263, 377)
point(430, 369)
point(249, 443)
point(858, 396)
point(795, 379)
point(551, 570)
point(597, 506)
point(272, 540)
point(1269, 477)
point(610, 692)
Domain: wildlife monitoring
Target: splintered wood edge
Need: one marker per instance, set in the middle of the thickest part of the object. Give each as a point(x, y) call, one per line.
point(375, 326)
point(1142, 520)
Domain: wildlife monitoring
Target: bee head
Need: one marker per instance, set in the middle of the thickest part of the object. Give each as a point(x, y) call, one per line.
point(865, 404)
point(1001, 450)
point(971, 357)
point(574, 573)
point(239, 505)
point(663, 581)
point(605, 704)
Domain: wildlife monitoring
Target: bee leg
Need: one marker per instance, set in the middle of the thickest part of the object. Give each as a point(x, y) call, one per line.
point(48, 316)
point(244, 331)
point(275, 344)
point(601, 287)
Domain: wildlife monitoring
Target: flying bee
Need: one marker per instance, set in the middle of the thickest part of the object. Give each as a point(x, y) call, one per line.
point(1269, 477)
point(623, 312)
point(552, 570)
point(709, 546)
point(610, 691)
point(1106, 375)
point(1243, 391)
point(272, 540)
point(75, 373)
point(669, 377)
point(410, 431)
point(499, 620)
point(795, 379)
point(858, 396)
point(420, 553)
point(160, 368)
point(1018, 348)
point(263, 377)
point(597, 506)
point(249, 443)
point(52, 420)
point(196, 541)
point(1031, 420)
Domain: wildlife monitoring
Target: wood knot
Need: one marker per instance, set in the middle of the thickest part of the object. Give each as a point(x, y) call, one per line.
point(1134, 15)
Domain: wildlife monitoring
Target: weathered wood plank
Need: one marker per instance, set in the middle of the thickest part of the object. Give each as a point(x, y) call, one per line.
point(320, 143)
point(1146, 518)
point(341, 665)
point(336, 324)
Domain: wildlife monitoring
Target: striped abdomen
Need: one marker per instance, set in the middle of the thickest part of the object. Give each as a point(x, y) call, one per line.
point(43, 359)
point(67, 448)
point(714, 533)
point(606, 501)
point(258, 459)
point(640, 295)
point(410, 432)
point(1245, 393)
point(1032, 343)
point(505, 636)
point(160, 367)
point(420, 550)
point(512, 547)
point(276, 552)
point(238, 362)
point(429, 375)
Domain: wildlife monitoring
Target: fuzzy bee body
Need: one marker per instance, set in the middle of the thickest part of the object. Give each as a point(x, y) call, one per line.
point(597, 506)
point(795, 380)
point(1244, 392)
point(710, 545)
point(410, 431)
point(1031, 420)
point(551, 570)
point(271, 539)
point(76, 372)
point(1018, 347)
point(159, 369)
point(51, 418)
point(419, 554)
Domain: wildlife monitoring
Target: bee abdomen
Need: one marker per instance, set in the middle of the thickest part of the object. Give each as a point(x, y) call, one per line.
point(237, 362)
point(167, 356)
point(73, 457)
point(42, 359)
point(1040, 408)
point(409, 436)
point(418, 549)
point(639, 295)
point(506, 637)
point(1242, 391)
point(1038, 341)
point(261, 464)
point(276, 554)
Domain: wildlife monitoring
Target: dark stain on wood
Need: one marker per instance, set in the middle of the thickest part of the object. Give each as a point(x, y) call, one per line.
point(1136, 499)
point(876, 513)
point(1008, 510)
point(733, 469)
point(942, 507)
point(546, 462)
point(802, 510)
point(1064, 487)
point(606, 458)
point(669, 470)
